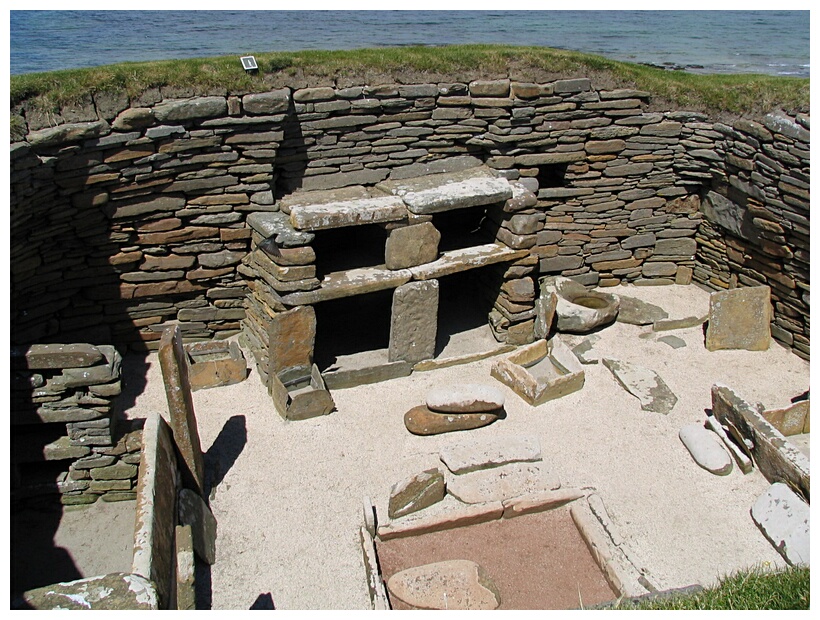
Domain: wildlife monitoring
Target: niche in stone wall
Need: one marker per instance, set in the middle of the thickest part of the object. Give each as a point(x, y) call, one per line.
point(462, 228)
point(465, 302)
point(351, 247)
point(353, 327)
point(552, 175)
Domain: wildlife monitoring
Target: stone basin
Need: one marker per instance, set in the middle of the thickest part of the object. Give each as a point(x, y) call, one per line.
point(579, 310)
point(541, 371)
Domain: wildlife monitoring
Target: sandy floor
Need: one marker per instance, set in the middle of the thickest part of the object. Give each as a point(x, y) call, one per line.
point(288, 495)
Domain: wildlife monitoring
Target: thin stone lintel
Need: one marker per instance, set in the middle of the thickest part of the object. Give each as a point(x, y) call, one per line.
point(348, 283)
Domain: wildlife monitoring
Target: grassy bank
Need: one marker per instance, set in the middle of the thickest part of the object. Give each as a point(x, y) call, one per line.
point(754, 589)
point(733, 94)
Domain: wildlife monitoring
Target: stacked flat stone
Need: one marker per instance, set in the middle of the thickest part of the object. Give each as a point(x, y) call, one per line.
point(456, 408)
point(148, 198)
point(62, 411)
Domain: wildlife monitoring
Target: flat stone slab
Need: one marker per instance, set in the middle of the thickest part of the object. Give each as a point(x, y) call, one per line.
point(637, 312)
point(455, 261)
point(643, 383)
point(663, 325)
point(422, 421)
point(783, 517)
point(453, 584)
point(466, 456)
point(416, 493)
point(452, 514)
point(705, 447)
point(348, 283)
point(454, 190)
point(539, 501)
point(347, 213)
point(276, 225)
point(115, 591)
point(673, 341)
point(54, 356)
point(740, 319)
point(467, 398)
point(502, 483)
point(585, 350)
point(322, 196)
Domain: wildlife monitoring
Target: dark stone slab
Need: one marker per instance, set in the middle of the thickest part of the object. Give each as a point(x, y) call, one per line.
point(181, 406)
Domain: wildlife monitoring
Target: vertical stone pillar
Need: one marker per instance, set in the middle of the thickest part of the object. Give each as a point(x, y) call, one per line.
point(174, 367)
point(291, 337)
point(414, 322)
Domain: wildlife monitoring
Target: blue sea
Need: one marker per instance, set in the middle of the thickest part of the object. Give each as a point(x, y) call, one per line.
point(768, 42)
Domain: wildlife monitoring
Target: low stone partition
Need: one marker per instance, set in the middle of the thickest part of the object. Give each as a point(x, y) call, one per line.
point(64, 414)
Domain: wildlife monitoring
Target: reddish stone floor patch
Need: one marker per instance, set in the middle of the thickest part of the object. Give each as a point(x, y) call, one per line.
point(537, 561)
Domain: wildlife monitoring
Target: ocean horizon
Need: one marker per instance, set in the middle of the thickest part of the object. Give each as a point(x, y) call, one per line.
point(765, 42)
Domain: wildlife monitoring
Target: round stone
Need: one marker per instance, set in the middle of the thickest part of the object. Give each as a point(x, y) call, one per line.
point(421, 421)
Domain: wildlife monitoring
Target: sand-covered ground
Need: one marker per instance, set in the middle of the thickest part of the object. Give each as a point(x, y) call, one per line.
point(288, 495)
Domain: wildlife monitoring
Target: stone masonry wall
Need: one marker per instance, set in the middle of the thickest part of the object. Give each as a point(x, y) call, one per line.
point(134, 216)
point(67, 437)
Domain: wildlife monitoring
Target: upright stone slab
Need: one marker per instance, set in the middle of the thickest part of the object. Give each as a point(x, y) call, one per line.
point(174, 367)
point(194, 512)
point(154, 549)
point(411, 246)
point(414, 321)
point(740, 319)
point(291, 336)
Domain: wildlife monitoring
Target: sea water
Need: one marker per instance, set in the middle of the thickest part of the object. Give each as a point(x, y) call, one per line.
point(768, 42)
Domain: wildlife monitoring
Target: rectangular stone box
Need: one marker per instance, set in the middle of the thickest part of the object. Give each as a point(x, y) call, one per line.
point(300, 400)
point(541, 371)
point(215, 363)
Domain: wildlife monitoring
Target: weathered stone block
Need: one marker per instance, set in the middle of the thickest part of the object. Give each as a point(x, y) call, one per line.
point(55, 356)
point(416, 493)
point(643, 383)
point(740, 319)
point(410, 246)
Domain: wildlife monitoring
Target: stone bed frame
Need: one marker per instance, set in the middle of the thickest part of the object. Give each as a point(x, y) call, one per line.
point(587, 510)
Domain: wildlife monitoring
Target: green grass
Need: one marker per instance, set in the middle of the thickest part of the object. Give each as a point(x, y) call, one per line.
point(735, 94)
point(752, 589)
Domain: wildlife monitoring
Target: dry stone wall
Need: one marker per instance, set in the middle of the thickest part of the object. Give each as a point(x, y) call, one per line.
point(128, 217)
point(67, 435)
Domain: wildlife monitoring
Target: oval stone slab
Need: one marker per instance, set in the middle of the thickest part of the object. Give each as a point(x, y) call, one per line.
point(421, 421)
point(454, 584)
point(706, 449)
point(467, 398)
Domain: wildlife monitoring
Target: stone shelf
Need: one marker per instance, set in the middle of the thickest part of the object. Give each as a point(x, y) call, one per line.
point(463, 259)
point(370, 279)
